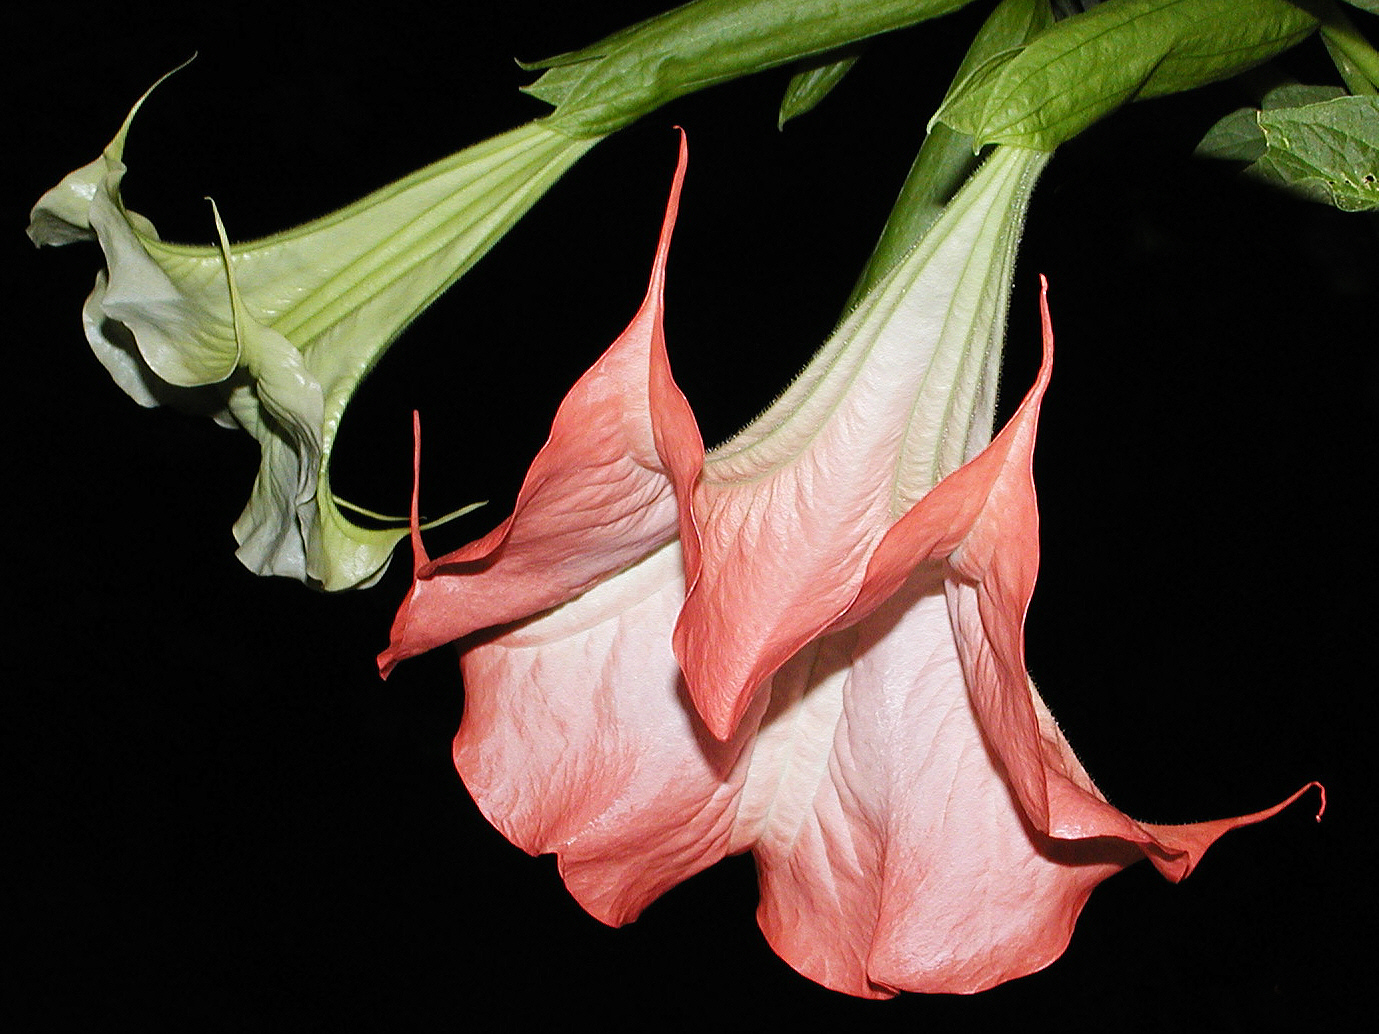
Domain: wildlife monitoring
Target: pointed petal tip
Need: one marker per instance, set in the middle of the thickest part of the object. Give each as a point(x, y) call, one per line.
point(668, 222)
point(395, 652)
point(594, 499)
point(1046, 322)
point(419, 557)
point(1176, 851)
point(1296, 796)
point(721, 714)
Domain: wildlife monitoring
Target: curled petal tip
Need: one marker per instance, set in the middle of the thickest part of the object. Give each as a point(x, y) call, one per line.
point(1321, 793)
point(1293, 799)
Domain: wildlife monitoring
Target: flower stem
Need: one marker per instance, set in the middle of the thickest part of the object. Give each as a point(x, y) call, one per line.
point(1355, 58)
point(946, 159)
point(944, 163)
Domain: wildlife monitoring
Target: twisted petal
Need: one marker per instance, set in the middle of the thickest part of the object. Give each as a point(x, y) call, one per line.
point(600, 495)
point(919, 821)
point(900, 396)
point(334, 293)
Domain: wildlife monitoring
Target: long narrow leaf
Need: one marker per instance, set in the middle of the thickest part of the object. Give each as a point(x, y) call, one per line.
point(615, 81)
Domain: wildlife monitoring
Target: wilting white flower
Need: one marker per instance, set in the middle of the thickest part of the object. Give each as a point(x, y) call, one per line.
point(316, 308)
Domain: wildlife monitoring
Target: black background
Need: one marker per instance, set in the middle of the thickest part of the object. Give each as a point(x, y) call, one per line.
point(223, 821)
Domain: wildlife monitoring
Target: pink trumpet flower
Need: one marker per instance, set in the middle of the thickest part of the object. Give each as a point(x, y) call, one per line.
point(807, 644)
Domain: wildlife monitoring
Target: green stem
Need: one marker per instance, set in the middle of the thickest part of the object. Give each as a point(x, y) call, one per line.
point(946, 159)
point(1355, 59)
point(944, 163)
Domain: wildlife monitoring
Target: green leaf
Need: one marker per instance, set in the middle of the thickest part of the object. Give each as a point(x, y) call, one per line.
point(612, 83)
point(1355, 59)
point(1372, 6)
point(1298, 95)
point(1239, 138)
point(1087, 66)
point(1351, 72)
point(1236, 138)
point(812, 84)
point(1315, 141)
point(1327, 152)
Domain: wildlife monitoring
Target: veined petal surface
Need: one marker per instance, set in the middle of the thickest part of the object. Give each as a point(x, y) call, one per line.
point(600, 495)
point(901, 395)
point(579, 739)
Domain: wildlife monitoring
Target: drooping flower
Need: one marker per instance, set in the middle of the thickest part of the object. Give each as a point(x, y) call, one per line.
point(807, 644)
point(318, 305)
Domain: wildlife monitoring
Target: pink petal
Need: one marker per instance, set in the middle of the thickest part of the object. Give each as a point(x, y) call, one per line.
point(913, 868)
point(578, 739)
point(790, 511)
point(949, 838)
point(577, 736)
point(597, 498)
point(778, 565)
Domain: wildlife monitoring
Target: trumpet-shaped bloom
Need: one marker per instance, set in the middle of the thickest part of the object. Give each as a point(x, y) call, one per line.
point(807, 644)
point(315, 308)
